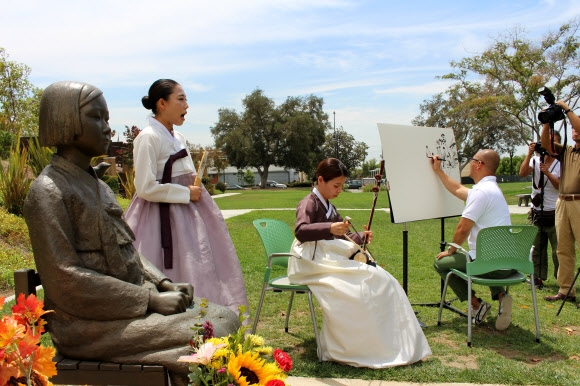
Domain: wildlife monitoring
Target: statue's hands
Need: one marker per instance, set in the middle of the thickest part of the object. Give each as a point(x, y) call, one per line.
point(167, 303)
point(186, 288)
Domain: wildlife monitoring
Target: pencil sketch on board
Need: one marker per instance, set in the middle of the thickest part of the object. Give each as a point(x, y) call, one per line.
point(444, 147)
point(415, 192)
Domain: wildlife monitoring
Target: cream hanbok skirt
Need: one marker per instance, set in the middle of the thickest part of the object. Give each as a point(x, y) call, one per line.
point(367, 318)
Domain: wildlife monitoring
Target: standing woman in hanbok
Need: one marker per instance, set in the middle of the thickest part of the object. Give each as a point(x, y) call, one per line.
point(367, 318)
point(177, 225)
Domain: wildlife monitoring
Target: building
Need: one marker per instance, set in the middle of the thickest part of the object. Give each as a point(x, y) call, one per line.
point(230, 175)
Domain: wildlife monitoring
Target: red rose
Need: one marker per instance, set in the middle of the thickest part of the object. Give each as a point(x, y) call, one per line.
point(283, 360)
point(275, 382)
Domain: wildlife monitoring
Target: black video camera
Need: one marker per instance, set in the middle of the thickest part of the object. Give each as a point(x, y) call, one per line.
point(553, 112)
point(539, 149)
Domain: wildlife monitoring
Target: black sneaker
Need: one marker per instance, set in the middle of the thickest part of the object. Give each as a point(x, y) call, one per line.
point(481, 312)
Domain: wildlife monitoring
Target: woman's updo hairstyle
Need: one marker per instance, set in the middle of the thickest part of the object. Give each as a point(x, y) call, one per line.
point(160, 89)
point(330, 168)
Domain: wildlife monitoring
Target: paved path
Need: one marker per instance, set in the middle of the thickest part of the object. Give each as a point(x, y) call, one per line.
point(299, 381)
point(227, 213)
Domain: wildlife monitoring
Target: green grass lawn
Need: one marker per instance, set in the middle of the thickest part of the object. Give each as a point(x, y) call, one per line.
point(507, 357)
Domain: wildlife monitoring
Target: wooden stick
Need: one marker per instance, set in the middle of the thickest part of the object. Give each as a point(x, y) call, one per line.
point(201, 169)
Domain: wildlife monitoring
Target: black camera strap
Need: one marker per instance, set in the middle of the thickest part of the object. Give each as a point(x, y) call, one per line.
point(541, 183)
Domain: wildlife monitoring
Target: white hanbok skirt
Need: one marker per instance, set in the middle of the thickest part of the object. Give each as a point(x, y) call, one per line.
point(367, 318)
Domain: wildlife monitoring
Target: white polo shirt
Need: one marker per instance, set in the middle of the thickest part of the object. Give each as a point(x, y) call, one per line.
point(486, 207)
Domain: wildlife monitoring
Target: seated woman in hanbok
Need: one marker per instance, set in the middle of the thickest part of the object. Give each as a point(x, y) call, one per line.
point(367, 318)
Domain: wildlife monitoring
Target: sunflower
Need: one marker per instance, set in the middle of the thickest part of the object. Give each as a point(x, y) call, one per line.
point(248, 369)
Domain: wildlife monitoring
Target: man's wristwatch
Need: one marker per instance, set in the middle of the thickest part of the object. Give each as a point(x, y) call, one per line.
point(566, 111)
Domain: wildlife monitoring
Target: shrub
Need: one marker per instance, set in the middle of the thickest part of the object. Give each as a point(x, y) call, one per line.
point(6, 143)
point(305, 184)
point(221, 186)
point(15, 250)
point(369, 188)
point(15, 180)
point(113, 182)
point(128, 183)
point(206, 181)
point(39, 156)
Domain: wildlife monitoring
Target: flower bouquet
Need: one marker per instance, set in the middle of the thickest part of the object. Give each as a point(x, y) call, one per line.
point(23, 361)
point(238, 359)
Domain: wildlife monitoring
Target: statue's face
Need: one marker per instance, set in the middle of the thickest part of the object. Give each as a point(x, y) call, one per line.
point(96, 136)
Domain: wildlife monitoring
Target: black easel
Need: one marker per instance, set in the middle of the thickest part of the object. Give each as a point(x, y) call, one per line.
point(442, 245)
point(567, 293)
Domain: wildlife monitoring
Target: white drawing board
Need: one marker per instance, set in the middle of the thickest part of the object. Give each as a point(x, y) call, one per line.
point(415, 191)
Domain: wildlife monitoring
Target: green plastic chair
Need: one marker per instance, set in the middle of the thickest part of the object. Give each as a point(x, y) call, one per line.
point(277, 238)
point(499, 247)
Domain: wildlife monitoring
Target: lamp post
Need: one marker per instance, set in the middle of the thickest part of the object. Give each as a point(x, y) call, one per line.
point(335, 137)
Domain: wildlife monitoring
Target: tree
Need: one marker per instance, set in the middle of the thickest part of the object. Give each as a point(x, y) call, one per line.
point(474, 125)
point(510, 166)
point(249, 178)
point(369, 165)
point(215, 157)
point(350, 152)
point(263, 135)
point(19, 99)
point(494, 101)
point(125, 155)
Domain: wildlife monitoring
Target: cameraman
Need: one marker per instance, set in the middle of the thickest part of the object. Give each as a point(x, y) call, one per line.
point(568, 204)
point(545, 182)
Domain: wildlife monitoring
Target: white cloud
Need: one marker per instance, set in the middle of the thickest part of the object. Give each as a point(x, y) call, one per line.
point(372, 61)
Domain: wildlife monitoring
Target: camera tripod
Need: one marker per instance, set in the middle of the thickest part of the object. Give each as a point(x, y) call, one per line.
point(543, 220)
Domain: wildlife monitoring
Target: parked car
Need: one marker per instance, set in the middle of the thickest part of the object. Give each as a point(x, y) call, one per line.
point(235, 187)
point(354, 184)
point(274, 184)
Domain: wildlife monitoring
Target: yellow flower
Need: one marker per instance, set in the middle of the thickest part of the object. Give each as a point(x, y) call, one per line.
point(248, 369)
point(255, 340)
point(221, 353)
point(263, 350)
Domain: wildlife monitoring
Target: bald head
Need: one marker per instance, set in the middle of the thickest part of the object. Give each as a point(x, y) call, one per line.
point(490, 159)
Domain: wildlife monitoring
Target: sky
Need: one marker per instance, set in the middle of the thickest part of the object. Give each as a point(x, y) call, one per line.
point(371, 61)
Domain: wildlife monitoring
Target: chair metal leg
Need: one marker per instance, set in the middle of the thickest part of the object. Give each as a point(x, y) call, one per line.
point(469, 309)
point(315, 326)
point(289, 309)
point(534, 300)
point(443, 293)
point(259, 309)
